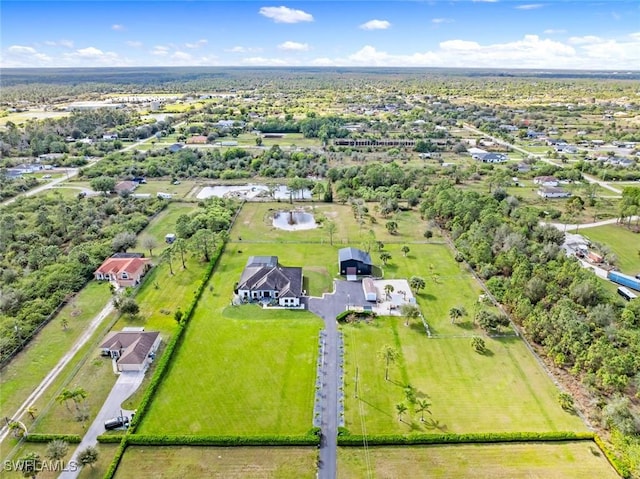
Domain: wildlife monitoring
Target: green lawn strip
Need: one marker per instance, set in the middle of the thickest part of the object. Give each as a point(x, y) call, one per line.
point(504, 390)
point(624, 243)
point(229, 462)
point(33, 363)
point(562, 460)
point(163, 224)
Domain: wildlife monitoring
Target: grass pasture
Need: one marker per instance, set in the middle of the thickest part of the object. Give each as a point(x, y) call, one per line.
point(224, 462)
point(566, 460)
point(468, 392)
point(624, 243)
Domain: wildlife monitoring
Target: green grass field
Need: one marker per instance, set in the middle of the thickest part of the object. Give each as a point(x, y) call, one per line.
point(164, 186)
point(165, 223)
point(222, 462)
point(624, 243)
point(32, 364)
point(567, 460)
point(259, 365)
point(469, 392)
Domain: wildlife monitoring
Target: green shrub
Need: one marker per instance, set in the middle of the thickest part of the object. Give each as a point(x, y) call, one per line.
point(70, 438)
point(110, 438)
point(399, 439)
point(115, 462)
point(620, 467)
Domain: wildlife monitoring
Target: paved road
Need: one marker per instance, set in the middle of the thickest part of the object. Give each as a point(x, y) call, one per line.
point(125, 386)
point(328, 307)
point(564, 227)
point(57, 369)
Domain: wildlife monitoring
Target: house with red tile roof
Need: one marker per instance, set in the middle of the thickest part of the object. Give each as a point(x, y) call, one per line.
point(197, 140)
point(124, 271)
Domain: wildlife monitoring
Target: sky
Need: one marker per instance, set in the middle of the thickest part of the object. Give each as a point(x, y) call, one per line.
point(538, 34)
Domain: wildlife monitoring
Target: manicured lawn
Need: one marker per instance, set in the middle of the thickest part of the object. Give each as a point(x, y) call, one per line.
point(504, 390)
point(224, 462)
point(259, 365)
point(624, 243)
point(164, 186)
point(567, 460)
point(33, 363)
point(165, 223)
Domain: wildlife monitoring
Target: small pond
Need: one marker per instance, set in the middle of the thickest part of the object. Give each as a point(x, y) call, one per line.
point(250, 191)
point(294, 220)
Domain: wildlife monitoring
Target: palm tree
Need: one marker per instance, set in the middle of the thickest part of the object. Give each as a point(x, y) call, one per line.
point(409, 311)
point(64, 397)
point(421, 406)
point(88, 456)
point(417, 283)
point(388, 289)
point(388, 355)
point(331, 229)
point(65, 322)
point(78, 395)
point(405, 250)
point(57, 449)
point(30, 465)
point(454, 313)
point(32, 411)
point(384, 257)
point(401, 409)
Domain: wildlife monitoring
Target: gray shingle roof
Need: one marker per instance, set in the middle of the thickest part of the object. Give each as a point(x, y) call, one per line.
point(263, 273)
point(134, 346)
point(346, 254)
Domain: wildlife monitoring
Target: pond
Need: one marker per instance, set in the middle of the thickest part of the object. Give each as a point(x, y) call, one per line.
point(250, 191)
point(294, 220)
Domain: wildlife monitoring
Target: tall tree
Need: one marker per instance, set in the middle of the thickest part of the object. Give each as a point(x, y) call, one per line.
point(57, 449)
point(401, 409)
point(123, 241)
point(416, 283)
point(64, 397)
point(167, 255)
point(204, 242)
point(410, 312)
point(30, 465)
point(421, 406)
point(389, 355)
point(331, 230)
point(405, 250)
point(385, 256)
point(181, 246)
point(392, 227)
point(149, 243)
point(103, 184)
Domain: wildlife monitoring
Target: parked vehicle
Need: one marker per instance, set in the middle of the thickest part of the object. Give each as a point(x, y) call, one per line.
point(116, 423)
point(624, 280)
point(626, 293)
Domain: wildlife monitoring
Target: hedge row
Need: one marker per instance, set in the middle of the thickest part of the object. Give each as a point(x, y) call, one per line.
point(115, 462)
point(110, 438)
point(184, 440)
point(621, 468)
point(397, 439)
point(171, 347)
point(70, 438)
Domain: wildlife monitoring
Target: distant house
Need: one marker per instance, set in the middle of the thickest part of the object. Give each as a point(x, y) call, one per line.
point(545, 181)
point(125, 187)
point(110, 136)
point(523, 168)
point(264, 278)
point(352, 262)
point(175, 147)
point(553, 192)
point(491, 157)
point(124, 271)
point(132, 350)
point(197, 140)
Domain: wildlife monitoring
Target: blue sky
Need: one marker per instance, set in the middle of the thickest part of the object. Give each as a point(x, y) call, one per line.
point(456, 33)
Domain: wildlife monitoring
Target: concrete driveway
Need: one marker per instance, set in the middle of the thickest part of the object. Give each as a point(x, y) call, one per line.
point(125, 386)
point(346, 293)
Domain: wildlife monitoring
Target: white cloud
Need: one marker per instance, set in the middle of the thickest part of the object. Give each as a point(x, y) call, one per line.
point(181, 56)
point(160, 50)
point(22, 50)
point(89, 52)
point(117, 27)
point(241, 49)
point(375, 25)
point(585, 40)
point(554, 31)
point(134, 44)
point(93, 57)
point(61, 43)
point(441, 20)
point(200, 43)
point(285, 15)
point(294, 46)
point(529, 6)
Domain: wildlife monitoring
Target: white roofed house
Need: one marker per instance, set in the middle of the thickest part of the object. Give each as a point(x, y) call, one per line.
point(553, 192)
point(264, 278)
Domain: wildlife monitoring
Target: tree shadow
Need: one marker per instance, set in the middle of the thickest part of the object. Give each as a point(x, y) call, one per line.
point(487, 352)
point(414, 426)
point(428, 296)
point(435, 424)
point(466, 325)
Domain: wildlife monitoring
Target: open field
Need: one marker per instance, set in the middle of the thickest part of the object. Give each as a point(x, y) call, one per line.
point(624, 243)
point(254, 224)
point(21, 117)
point(222, 462)
point(567, 460)
point(469, 392)
point(164, 186)
point(165, 223)
point(32, 364)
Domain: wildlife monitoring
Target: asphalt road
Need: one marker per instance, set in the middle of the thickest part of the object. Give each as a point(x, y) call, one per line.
point(125, 386)
point(328, 307)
